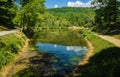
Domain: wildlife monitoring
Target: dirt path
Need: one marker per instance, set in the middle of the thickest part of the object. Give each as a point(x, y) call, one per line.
point(111, 39)
point(88, 54)
point(19, 63)
point(7, 32)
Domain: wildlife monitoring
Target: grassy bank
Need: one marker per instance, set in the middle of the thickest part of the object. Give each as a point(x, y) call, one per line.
point(98, 43)
point(104, 63)
point(9, 46)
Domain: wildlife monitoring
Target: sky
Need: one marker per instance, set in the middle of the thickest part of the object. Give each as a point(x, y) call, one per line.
point(67, 3)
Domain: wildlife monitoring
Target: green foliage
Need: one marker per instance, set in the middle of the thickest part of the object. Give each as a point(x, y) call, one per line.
point(30, 16)
point(60, 37)
point(7, 13)
point(10, 46)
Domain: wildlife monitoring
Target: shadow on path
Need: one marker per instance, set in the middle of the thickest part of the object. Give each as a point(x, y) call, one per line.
point(41, 65)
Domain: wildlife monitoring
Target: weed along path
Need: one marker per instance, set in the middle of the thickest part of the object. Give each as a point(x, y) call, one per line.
point(111, 39)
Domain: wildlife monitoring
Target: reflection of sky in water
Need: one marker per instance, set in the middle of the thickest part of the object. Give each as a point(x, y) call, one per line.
point(67, 55)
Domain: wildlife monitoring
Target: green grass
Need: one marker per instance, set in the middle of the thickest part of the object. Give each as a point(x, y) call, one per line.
point(98, 43)
point(9, 46)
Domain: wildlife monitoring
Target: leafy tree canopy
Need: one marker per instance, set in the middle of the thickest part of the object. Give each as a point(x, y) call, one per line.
point(107, 14)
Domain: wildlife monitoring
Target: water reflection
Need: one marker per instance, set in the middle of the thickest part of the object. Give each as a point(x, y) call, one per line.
point(68, 56)
point(75, 48)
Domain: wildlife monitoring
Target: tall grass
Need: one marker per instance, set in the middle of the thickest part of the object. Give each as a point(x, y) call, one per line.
point(9, 45)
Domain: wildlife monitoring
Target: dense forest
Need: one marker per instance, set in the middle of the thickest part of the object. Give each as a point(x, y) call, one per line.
point(31, 16)
point(75, 16)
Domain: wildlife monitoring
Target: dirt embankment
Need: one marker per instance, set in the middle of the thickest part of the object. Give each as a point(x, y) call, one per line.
point(14, 66)
point(88, 54)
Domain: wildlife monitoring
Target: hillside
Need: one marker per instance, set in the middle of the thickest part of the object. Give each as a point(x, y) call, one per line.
point(69, 9)
point(75, 16)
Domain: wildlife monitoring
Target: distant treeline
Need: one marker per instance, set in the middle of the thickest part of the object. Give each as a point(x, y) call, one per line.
point(75, 15)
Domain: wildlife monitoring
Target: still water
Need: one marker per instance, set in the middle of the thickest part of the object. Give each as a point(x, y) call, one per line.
point(68, 56)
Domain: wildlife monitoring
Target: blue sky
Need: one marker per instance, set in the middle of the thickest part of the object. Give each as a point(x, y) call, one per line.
point(61, 3)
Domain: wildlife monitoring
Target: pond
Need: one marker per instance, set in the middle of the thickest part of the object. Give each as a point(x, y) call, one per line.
point(68, 56)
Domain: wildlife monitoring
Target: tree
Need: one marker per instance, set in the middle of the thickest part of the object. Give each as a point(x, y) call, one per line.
point(107, 13)
point(7, 13)
point(29, 16)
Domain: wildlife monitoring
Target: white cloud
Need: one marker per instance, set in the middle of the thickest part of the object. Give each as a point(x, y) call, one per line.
point(73, 48)
point(55, 46)
point(56, 6)
point(78, 4)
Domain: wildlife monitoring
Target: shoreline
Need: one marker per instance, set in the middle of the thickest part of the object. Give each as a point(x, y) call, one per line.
point(88, 54)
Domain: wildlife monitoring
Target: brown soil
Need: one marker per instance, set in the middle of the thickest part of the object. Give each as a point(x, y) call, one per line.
point(88, 54)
